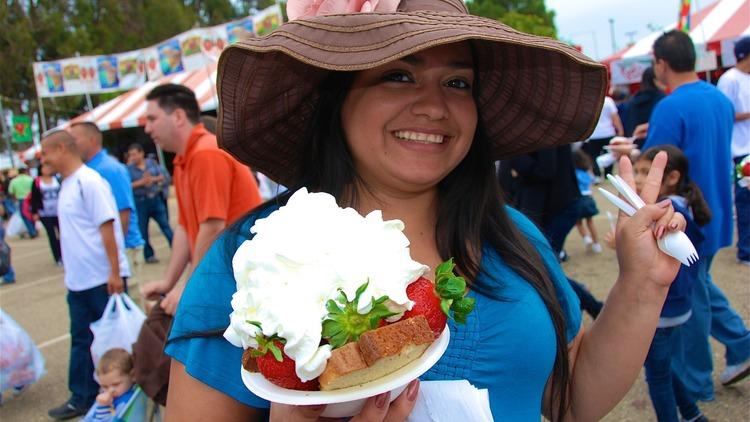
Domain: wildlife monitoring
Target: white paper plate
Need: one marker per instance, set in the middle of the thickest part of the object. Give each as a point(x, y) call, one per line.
point(348, 401)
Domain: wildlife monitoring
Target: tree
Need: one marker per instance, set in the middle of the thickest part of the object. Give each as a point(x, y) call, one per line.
point(529, 16)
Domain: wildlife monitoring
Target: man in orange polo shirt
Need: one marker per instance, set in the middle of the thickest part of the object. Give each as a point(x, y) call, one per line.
point(213, 189)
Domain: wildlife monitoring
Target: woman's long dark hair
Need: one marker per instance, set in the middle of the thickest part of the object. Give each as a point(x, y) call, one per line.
point(685, 187)
point(471, 215)
point(648, 80)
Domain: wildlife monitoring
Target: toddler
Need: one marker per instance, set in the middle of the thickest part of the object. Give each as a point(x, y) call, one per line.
point(587, 207)
point(115, 374)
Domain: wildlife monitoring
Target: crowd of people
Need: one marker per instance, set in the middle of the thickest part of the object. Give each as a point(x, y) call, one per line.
point(429, 134)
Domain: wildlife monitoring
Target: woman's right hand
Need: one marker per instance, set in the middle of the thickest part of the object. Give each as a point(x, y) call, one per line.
point(376, 409)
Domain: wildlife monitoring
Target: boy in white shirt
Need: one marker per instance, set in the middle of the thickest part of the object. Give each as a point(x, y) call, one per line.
point(735, 84)
point(93, 256)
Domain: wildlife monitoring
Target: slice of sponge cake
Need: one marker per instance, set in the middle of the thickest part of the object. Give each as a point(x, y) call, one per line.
point(378, 353)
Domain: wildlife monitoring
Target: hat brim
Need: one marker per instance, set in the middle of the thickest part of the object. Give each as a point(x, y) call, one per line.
point(535, 92)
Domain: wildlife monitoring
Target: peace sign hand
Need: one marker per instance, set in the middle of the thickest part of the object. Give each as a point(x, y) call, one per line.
point(639, 257)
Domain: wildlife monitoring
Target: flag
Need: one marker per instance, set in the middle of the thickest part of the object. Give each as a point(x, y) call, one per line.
point(683, 19)
point(21, 129)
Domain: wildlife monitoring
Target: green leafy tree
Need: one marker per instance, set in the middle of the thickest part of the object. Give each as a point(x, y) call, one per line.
point(529, 16)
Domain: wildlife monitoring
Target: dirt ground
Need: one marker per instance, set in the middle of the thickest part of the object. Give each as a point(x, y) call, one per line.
point(37, 301)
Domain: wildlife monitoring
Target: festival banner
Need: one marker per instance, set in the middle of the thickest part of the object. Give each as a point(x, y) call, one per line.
point(267, 20)
point(90, 74)
point(239, 30)
point(21, 131)
point(191, 50)
point(629, 71)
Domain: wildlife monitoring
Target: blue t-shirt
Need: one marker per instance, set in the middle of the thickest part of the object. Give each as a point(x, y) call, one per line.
point(507, 346)
point(698, 119)
point(584, 181)
point(118, 177)
point(136, 174)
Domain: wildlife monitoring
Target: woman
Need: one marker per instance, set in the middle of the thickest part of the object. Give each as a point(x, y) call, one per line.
point(643, 103)
point(44, 192)
point(437, 96)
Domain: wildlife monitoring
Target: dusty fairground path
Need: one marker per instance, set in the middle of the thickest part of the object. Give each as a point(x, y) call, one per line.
point(37, 302)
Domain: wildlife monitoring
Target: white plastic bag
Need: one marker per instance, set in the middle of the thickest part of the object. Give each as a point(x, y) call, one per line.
point(15, 225)
point(119, 326)
point(21, 363)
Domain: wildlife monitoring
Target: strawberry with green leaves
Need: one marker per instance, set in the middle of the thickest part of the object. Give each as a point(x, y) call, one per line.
point(276, 366)
point(345, 324)
point(437, 301)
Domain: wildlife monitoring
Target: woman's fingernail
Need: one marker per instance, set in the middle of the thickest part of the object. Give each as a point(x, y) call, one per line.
point(412, 390)
point(673, 226)
point(660, 232)
point(381, 400)
point(665, 203)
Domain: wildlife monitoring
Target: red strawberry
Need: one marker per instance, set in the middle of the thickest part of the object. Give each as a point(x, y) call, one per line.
point(281, 371)
point(746, 169)
point(427, 303)
point(436, 301)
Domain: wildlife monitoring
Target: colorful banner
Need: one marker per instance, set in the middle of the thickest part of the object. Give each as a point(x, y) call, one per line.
point(683, 17)
point(21, 131)
point(629, 71)
point(190, 50)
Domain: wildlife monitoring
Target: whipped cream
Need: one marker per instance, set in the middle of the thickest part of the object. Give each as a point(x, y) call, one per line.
point(300, 256)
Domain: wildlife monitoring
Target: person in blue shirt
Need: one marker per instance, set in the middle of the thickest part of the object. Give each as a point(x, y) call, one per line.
point(414, 132)
point(147, 180)
point(89, 142)
point(697, 118)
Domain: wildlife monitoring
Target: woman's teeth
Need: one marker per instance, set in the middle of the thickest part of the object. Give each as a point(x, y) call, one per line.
point(424, 138)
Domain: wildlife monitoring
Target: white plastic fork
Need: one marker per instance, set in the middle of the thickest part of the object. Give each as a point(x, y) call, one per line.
point(674, 244)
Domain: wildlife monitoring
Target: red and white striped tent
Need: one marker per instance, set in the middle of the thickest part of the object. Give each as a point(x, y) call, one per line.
point(723, 20)
point(715, 28)
point(128, 109)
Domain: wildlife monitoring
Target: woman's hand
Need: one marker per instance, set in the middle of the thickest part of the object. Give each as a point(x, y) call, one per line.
point(637, 253)
point(376, 409)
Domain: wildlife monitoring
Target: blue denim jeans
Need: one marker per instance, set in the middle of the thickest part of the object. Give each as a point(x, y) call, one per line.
point(742, 206)
point(664, 386)
point(10, 206)
point(712, 315)
point(589, 303)
point(30, 226)
point(152, 208)
point(84, 307)
point(559, 226)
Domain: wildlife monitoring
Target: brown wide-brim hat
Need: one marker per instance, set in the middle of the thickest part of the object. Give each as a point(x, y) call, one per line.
point(535, 92)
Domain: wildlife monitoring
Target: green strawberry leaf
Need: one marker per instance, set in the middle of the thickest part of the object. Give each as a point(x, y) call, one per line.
point(267, 344)
point(275, 352)
point(445, 305)
point(461, 309)
point(451, 287)
point(452, 292)
point(345, 324)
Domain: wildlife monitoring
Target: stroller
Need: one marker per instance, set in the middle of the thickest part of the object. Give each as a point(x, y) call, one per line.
point(134, 410)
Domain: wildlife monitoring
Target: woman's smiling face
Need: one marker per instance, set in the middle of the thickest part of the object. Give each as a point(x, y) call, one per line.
point(410, 122)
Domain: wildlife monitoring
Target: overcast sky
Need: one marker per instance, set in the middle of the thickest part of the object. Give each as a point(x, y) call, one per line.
point(586, 22)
